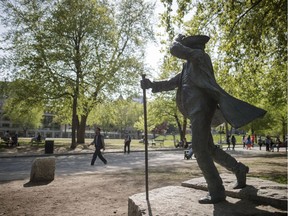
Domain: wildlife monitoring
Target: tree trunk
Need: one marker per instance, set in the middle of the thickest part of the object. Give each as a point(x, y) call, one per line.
point(184, 133)
point(25, 131)
point(179, 127)
point(81, 130)
point(184, 127)
point(284, 128)
point(77, 62)
point(74, 123)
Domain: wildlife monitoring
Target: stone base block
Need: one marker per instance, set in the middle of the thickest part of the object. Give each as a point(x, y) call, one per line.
point(43, 170)
point(183, 201)
point(257, 190)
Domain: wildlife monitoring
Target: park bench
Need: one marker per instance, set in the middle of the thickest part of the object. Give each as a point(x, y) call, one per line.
point(37, 142)
point(274, 145)
point(10, 141)
point(281, 145)
point(5, 141)
point(220, 145)
point(153, 142)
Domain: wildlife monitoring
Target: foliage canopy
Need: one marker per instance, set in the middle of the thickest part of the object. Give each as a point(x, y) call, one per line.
point(248, 46)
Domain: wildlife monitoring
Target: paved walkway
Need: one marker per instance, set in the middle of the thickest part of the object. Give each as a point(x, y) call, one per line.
point(13, 167)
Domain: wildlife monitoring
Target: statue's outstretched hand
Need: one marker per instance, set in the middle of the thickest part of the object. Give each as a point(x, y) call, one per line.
point(146, 84)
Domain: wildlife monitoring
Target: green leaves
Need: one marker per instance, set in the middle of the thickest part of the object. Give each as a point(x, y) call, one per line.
point(116, 115)
point(78, 52)
point(248, 47)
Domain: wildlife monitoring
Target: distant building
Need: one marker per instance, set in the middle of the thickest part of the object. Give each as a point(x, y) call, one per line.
point(49, 128)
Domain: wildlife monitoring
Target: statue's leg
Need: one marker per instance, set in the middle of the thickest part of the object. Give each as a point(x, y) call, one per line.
point(200, 145)
point(230, 163)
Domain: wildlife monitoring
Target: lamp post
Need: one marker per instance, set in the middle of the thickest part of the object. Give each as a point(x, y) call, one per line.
point(145, 140)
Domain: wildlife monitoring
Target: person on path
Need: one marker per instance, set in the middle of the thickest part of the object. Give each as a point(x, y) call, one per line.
point(244, 138)
point(248, 143)
point(99, 144)
point(233, 140)
point(260, 142)
point(268, 142)
point(205, 103)
point(228, 142)
point(127, 142)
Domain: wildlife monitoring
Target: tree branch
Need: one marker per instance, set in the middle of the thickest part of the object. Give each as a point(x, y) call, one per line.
point(247, 11)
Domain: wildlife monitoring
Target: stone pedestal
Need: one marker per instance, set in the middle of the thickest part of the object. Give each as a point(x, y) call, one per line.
point(43, 170)
point(260, 197)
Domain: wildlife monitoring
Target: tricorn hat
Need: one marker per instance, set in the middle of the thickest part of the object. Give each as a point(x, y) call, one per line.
point(195, 41)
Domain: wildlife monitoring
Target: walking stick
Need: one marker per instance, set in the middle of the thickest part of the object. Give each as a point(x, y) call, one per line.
point(145, 139)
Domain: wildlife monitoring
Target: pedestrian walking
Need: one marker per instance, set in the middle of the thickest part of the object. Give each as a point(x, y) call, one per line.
point(278, 143)
point(244, 141)
point(228, 142)
point(127, 142)
point(99, 145)
point(260, 142)
point(248, 143)
point(253, 137)
point(233, 140)
point(268, 142)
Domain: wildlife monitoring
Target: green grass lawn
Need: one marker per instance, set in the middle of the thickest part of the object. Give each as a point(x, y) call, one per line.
point(118, 143)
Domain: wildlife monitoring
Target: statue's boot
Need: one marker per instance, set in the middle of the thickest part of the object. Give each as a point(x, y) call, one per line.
point(214, 182)
point(230, 163)
point(241, 172)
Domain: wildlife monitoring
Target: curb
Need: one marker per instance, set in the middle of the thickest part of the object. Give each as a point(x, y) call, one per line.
point(80, 153)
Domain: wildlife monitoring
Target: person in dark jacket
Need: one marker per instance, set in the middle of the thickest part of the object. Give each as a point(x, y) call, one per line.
point(99, 144)
point(127, 142)
point(228, 142)
point(205, 103)
point(233, 140)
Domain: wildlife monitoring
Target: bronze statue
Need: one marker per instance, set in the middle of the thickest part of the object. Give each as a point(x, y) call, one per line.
point(205, 103)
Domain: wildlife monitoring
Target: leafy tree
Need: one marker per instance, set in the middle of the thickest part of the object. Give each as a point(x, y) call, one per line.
point(78, 53)
point(26, 113)
point(164, 109)
point(118, 115)
point(161, 113)
point(248, 47)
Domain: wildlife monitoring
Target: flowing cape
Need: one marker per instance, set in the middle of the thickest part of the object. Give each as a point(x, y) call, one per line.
point(236, 112)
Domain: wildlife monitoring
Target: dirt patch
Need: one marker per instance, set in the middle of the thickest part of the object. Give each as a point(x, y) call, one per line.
point(107, 194)
point(95, 194)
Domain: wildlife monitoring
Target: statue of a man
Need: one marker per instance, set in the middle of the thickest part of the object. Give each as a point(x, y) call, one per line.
point(205, 103)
